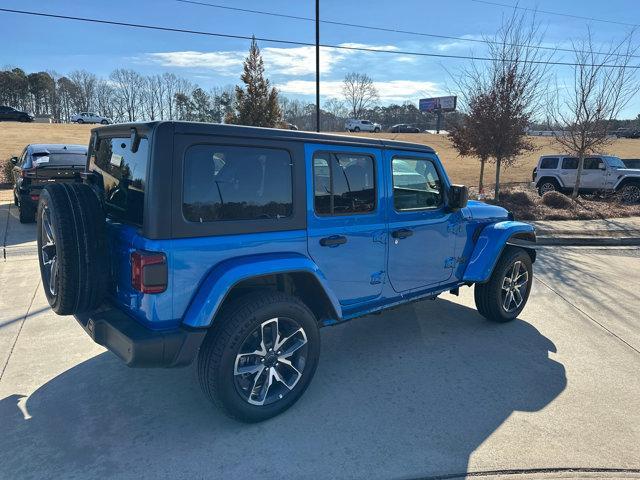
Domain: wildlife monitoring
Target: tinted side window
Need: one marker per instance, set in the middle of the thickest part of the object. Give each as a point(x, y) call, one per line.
point(344, 183)
point(569, 163)
point(416, 184)
point(592, 163)
point(236, 183)
point(549, 163)
point(124, 175)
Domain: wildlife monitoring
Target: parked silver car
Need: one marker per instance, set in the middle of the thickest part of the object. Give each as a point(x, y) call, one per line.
point(90, 117)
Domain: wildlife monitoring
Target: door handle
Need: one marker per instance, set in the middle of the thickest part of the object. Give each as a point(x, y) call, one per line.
point(402, 233)
point(333, 241)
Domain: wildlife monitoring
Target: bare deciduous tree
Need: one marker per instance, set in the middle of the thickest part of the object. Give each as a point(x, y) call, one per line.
point(359, 92)
point(506, 93)
point(127, 93)
point(603, 83)
point(85, 89)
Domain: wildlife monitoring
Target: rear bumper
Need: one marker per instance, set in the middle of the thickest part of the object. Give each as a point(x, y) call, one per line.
point(138, 346)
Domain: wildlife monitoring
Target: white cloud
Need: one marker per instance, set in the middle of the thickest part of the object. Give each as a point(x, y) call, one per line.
point(224, 62)
point(294, 61)
point(458, 44)
point(389, 91)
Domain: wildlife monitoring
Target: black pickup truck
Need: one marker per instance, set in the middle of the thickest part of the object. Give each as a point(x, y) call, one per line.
point(39, 165)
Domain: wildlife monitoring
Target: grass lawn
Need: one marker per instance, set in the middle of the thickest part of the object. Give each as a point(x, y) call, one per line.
point(462, 170)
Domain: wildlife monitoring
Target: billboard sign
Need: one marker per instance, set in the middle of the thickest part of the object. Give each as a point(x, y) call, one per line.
point(438, 104)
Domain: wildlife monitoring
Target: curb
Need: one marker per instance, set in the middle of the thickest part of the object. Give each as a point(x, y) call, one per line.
point(588, 241)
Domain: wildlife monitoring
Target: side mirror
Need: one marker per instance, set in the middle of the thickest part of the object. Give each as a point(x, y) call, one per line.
point(14, 160)
point(602, 166)
point(458, 197)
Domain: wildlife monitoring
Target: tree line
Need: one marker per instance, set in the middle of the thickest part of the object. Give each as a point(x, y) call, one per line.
point(128, 96)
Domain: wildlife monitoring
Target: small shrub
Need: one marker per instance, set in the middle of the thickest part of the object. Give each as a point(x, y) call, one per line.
point(519, 197)
point(557, 200)
point(7, 171)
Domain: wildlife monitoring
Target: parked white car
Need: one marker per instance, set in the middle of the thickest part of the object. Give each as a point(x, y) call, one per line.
point(353, 125)
point(600, 173)
point(90, 117)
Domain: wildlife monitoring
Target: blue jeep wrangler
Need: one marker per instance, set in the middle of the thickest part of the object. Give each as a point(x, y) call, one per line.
point(235, 244)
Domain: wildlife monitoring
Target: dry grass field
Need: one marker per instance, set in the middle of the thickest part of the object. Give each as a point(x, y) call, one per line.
point(464, 170)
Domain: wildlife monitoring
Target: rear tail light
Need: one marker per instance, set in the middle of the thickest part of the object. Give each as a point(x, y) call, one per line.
point(149, 271)
point(35, 197)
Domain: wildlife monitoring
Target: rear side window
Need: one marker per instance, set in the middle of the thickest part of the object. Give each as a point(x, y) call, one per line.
point(569, 163)
point(223, 182)
point(124, 175)
point(549, 163)
point(344, 183)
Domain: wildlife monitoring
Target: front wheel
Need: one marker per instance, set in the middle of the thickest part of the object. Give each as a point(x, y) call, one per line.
point(631, 193)
point(260, 357)
point(80, 121)
point(376, 130)
point(505, 295)
point(104, 122)
point(357, 129)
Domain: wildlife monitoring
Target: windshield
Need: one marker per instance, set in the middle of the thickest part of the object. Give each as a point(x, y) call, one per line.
point(615, 162)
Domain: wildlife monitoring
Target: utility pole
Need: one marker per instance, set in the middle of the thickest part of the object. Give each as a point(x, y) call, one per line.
point(317, 65)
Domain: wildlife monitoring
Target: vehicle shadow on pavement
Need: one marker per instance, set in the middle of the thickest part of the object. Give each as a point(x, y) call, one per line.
point(409, 393)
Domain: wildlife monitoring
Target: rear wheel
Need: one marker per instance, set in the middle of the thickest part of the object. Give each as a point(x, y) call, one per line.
point(80, 120)
point(72, 249)
point(505, 295)
point(104, 122)
point(548, 185)
point(26, 213)
point(260, 356)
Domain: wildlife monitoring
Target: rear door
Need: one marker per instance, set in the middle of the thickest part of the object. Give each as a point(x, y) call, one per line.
point(421, 240)
point(568, 171)
point(346, 219)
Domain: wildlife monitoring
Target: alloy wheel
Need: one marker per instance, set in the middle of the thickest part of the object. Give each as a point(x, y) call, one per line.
point(631, 194)
point(547, 187)
point(49, 252)
point(514, 286)
point(271, 361)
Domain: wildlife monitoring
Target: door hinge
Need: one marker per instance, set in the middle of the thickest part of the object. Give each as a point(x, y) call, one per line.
point(451, 262)
point(454, 228)
point(377, 278)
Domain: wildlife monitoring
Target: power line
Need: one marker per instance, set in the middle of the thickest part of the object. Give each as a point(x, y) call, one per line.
point(298, 43)
point(390, 30)
point(547, 12)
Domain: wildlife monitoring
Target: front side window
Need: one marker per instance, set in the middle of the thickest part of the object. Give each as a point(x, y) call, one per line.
point(549, 163)
point(592, 163)
point(416, 184)
point(569, 163)
point(236, 183)
point(344, 183)
point(124, 176)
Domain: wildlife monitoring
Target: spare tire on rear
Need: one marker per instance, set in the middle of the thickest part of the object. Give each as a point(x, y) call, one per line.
point(72, 247)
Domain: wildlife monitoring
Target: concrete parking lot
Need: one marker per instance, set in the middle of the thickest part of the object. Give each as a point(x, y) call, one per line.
point(426, 390)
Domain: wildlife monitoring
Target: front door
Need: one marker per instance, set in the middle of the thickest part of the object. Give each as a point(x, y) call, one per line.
point(346, 221)
point(593, 174)
point(421, 238)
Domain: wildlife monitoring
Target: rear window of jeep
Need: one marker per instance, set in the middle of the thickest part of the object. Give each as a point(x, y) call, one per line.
point(223, 182)
point(124, 175)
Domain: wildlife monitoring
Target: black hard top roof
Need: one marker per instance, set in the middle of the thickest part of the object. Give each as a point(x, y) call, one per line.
point(196, 128)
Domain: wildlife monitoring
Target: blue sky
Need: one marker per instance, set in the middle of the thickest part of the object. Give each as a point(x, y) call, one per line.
point(63, 46)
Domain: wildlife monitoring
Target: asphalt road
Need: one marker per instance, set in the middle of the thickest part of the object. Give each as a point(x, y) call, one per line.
point(425, 390)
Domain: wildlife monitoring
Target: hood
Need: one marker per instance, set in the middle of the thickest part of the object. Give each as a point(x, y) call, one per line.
point(629, 171)
point(484, 211)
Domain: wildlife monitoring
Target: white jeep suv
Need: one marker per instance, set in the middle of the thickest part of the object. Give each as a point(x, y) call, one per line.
point(353, 125)
point(600, 173)
point(90, 117)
